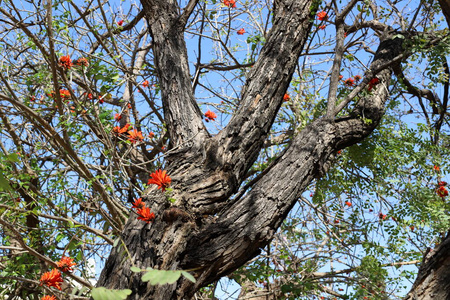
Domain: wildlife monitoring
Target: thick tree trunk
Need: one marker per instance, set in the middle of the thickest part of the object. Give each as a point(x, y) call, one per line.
point(207, 231)
point(433, 279)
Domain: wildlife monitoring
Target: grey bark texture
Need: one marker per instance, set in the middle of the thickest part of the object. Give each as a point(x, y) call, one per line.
point(214, 228)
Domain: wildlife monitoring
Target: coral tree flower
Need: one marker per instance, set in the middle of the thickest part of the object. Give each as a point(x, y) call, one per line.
point(145, 214)
point(436, 168)
point(52, 278)
point(322, 16)
point(122, 130)
point(373, 82)
point(210, 116)
point(82, 61)
point(120, 22)
point(47, 297)
point(138, 204)
point(230, 3)
point(135, 136)
point(241, 31)
point(64, 94)
point(286, 97)
point(161, 179)
point(66, 264)
point(442, 191)
point(65, 62)
point(145, 83)
point(349, 82)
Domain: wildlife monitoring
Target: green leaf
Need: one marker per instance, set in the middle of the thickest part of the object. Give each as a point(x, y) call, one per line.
point(161, 276)
point(188, 276)
point(136, 269)
point(4, 183)
point(102, 293)
point(13, 157)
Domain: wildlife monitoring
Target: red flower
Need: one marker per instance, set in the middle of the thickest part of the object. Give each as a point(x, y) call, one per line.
point(48, 298)
point(120, 22)
point(210, 116)
point(229, 3)
point(322, 16)
point(357, 78)
point(135, 136)
point(122, 130)
point(138, 204)
point(52, 278)
point(442, 183)
point(90, 96)
point(382, 216)
point(64, 94)
point(348, 203)
point(33, 98)
point(82, 61)
point(65, 62)
point(241, 31)
point(145, 214)
point(161, 179)
point(341, 76)
point(322, 27)
point(436, 168)
point(145, 83)
point(286, 97)
point(151, 135)
point(117, 117)
point(349, 82)
point(373, 82)
point(66, 264)
point(442, 191)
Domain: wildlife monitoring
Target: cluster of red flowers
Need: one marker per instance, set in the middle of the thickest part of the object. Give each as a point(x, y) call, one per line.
point(143, 211)
point(82, 61)
point(351, 81)
point(145, 83)
point(66, 264)
point(442, 190)
point(161, 179)
point(53, 278)
point(120, 22)
point(65, 62)
point(286, 97)
point(322, 16)
point(230, 3)
point(241, 31)
point(64, 94)
point(122, 130)
point(134, 136)
point(373, 82)
point(210, 116)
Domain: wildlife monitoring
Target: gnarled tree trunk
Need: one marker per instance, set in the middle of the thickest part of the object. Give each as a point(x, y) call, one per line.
point(213, 228)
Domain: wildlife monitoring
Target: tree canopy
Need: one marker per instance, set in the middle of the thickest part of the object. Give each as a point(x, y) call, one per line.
point(159, 149)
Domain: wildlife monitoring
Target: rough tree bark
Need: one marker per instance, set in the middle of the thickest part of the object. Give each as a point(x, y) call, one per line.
point(214, 228)
point(433, 279)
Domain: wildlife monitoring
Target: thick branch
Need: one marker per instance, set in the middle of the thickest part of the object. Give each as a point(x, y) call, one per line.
point(181, 112)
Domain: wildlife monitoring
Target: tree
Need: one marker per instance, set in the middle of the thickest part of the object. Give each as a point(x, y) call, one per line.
point(211, 203)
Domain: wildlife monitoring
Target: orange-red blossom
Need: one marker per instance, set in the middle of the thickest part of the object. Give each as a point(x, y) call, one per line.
point(161, 179)
point(210, 116)
point(52, 278)
point(66, 264)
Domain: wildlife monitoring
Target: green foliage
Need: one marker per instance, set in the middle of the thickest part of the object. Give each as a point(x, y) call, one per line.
point(102, 293)
point(162, 276)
